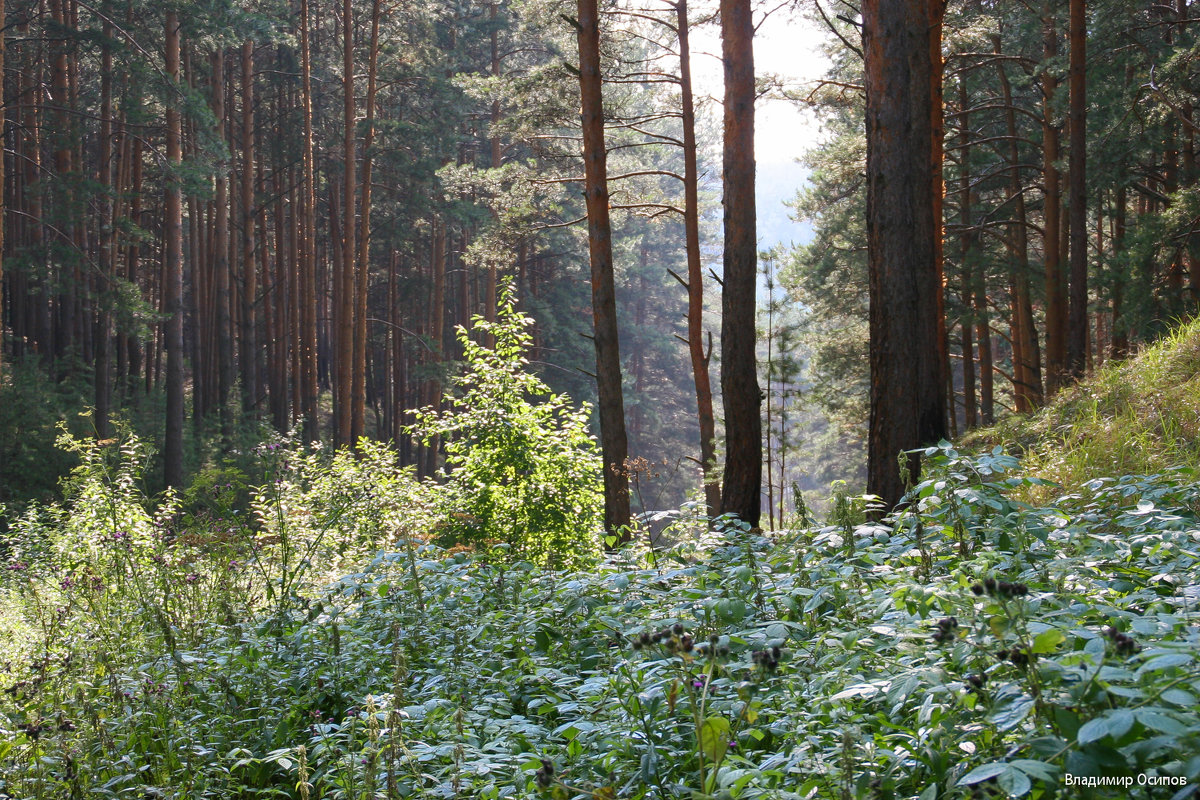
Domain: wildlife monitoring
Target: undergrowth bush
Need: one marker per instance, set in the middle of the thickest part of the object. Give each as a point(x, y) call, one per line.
point(523, 470)
point(971, 646)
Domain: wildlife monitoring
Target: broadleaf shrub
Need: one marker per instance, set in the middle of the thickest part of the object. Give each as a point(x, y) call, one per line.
point(523, 470)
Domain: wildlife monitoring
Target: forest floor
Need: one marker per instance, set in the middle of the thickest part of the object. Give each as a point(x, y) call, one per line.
point(1023, 627)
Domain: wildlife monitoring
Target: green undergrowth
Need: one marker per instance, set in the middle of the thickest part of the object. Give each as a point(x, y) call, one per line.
point(971, 646)
point(1135, 417)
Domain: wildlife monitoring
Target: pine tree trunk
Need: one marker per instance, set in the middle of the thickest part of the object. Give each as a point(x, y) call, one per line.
point(613, 444)
point(966, 254)
point(346, 289)
point(363, 270)
point(173, 266)
point(1027, 376)
point(1077, 316)
point(907, 398)
point(741, 489)
point(1056, 285)
point(249, 343)
point(310, 388)
point(695, 281)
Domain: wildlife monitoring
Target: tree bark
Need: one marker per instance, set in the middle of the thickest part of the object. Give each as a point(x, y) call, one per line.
point(907, 400)
point(613, 444)
point(346, 328)
point(1077, 317)
point(741, 491)
point(173, 266)
point(310, 388)
point(363, 271)
point(1056, 285)
point(249, 343)
point(695, 280)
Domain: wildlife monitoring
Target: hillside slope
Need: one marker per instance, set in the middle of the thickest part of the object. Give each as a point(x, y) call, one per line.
point(1135, 417)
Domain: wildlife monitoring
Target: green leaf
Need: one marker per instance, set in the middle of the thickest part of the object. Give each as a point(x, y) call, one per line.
point(1179, 697)
point(1160, 722)
point(981, 774)
point(714, 738)
point(1093, 730)
point(1164, 662)
point(1015, 782)
point(1048, 640)
point(1013, 714)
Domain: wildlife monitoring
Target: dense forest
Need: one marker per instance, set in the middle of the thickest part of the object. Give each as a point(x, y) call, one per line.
point(395, 401)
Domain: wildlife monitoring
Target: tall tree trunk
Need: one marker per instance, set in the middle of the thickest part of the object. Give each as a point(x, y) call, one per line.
point(1077, 317)
point(937, 124)
point(1056, 285)
point(695, 279)
point(741, 490)
point(220, 261)
point(1027, 376)
point(363, 270)
point(907, 399)
point(102, 381)
point(310, 388)
point(3, 205)
point(966, 254)
point(613, 444)
point(346, 293)
point(249, 343)
point(173, 265)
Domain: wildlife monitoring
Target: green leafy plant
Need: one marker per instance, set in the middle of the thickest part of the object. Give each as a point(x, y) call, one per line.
point(523, 471)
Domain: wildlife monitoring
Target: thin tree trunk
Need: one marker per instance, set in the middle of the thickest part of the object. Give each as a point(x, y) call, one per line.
point(613, 443)
point(310, 387)
point(346, 299)
point(1120, 335)
point(695, 280)
point(102, 384)
point(1077, 318)
point(220, 261)
point(363, 270)
point(173, 266)
point(1056, 285)
point(3, 204)
point(249, 344)
point(967, 247)
point(1027, 377)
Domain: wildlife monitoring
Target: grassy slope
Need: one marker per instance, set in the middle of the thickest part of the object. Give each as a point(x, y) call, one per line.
point(1135, 417)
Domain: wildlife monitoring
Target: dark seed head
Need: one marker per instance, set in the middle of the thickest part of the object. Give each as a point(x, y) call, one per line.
point(989, 585)
point(977, 589)
point(677, 629)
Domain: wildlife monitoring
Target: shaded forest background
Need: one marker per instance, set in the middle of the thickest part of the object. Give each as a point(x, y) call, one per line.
point(354, 180)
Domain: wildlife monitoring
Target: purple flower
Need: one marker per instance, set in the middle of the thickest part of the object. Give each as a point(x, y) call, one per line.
point(67, 582)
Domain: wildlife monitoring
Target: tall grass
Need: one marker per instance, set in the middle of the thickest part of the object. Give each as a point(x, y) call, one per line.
point(1134, 417)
